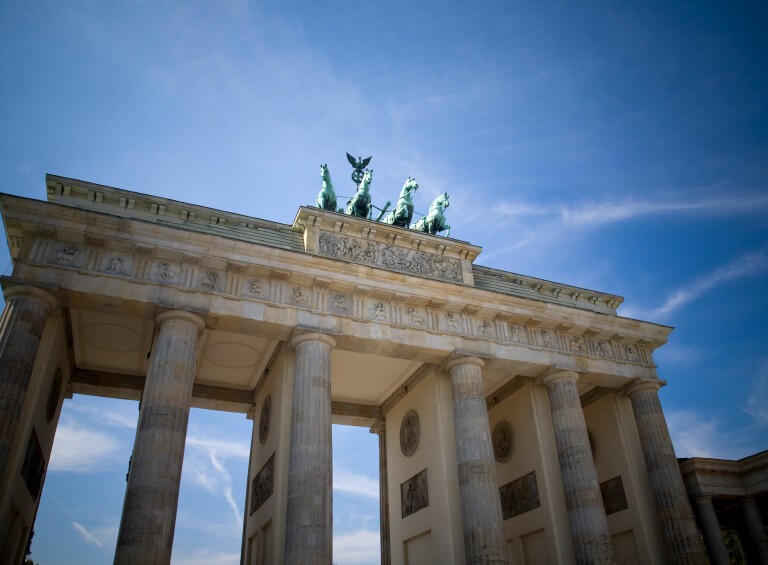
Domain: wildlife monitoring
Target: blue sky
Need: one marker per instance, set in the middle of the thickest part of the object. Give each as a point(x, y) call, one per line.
point(616, 146)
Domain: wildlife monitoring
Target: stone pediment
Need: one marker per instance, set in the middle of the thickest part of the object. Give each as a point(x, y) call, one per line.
point(384, 246)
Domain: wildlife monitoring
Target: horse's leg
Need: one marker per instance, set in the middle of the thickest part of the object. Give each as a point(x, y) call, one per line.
point(448, 231)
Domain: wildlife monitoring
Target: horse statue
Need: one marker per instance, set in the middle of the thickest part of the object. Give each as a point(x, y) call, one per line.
point(360, 204)
point(403, 212)
point(326, 198)
point(435, 220)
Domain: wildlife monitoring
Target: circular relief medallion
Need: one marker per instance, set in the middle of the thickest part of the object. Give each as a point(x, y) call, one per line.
point(502, 441)
point(409, 433)
point(266, 409)
point(53, 396)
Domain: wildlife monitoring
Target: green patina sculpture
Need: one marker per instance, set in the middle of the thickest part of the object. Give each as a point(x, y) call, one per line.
point(359, 165)
point(435, 220)
point(326, 198)
point(360, 204)
point(403, 212)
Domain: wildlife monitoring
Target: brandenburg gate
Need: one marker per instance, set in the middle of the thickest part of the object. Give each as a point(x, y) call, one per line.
point(518, 419)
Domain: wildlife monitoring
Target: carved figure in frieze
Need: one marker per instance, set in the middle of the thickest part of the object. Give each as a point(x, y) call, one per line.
point(415, 318)
point(576, 345)
point(255, 288)
point(403, 212)
point(485, 328)
point(117, 266)
point(210, 280)
point(453, 320)
point(501, 438)
point(298, 297)
point(326, 199)
point(163, 272)
point(632, 354)
point(516, 333)
point(602, 349)
point(434, 221)
point(67, 256)
point(378, 312)
point(338, 303)
point(548, 339)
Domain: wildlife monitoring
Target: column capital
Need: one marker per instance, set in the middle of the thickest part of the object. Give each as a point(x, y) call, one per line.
point(554, 375)
point(32, 292)
point(181, 315)
point(643, 384)
point(703, 497)
point(300, 338)
point(463, 360)
point(379, 428)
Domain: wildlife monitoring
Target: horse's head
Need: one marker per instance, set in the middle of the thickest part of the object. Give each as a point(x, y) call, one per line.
point(409, 187)
point(443, 200)
point(365, 184)
point(324, 174)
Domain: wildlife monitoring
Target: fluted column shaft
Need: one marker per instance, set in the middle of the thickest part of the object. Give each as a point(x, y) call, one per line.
point(755, 527)
point(479, 493)
point(21, 327)
point(380, 429)
point(672, 505)
point(586, 514)
point(713, 535)
point(152, 494)
point(309, 520)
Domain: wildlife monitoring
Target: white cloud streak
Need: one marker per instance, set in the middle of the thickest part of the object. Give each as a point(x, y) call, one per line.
point(87, 536)
point(361, 547)
point(750, 263)
point(695, 436)
point(205, 466)
point(84, 450)
point(757, 402)
point(355, 483)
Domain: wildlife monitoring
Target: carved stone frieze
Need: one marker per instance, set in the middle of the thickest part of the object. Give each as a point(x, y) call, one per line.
point(501, 438)
point(414, 494)
point(390, 257)
point(263, 484)
point(519, 496)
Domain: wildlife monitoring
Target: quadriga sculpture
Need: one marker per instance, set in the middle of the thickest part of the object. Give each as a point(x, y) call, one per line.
point(403, 212)
point(360, 204)
point(434, 221)
point(326, 198)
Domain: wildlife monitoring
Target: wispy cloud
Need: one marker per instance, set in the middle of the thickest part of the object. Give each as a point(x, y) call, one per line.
point(748, 264)
point(542, 221)
point(206, 558)
point(757, 402)
point(361, 547)
point(347, 481)
point(205, 466)
point(78, 449)
point(694, 435)
point(87, 536)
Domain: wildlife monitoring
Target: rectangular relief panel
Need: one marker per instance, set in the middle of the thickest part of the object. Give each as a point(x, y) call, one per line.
point(614, 498)
point(414, 494)
point(263, 484)
point(519, 496)
point(418, 549)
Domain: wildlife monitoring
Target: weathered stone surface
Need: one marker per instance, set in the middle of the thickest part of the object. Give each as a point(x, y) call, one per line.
point(480, 503)
point(670, 497)
point(586, 516)
point(149, 511)
point(21, 327)
point(309, 522)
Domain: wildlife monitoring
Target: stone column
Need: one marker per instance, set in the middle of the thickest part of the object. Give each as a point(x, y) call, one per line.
point(309, 520)
point(478, 490)
point(755, 527)
point(710, 527)
point(152, 494)
point(380, 429)
point(669, 494)
point(586, 514)
point(21, 327)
